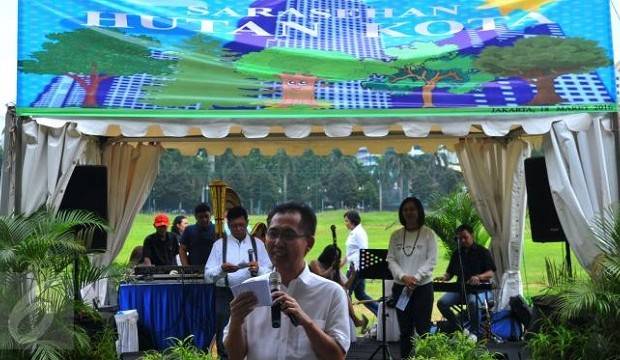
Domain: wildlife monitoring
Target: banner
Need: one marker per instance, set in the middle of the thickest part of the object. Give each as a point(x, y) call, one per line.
point(313, 58)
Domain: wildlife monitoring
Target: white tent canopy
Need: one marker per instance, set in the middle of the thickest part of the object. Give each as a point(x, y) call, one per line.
point(491, 149)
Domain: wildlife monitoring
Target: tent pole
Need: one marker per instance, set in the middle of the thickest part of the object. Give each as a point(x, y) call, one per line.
point(615, 128)
point(11, 170)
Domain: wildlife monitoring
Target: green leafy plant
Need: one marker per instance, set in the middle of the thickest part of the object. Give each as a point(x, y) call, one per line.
point(593, 301)
point(451, 211)
point(36, 268)
point(457, 346)
point(558, 275)
point(563, 341)
point(181, 349)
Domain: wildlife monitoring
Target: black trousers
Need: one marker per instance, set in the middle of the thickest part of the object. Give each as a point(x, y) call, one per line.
point(223, 297)
point(417, 315)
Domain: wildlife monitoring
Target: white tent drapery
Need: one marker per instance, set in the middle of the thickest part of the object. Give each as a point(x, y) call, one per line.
point(582, 170)
point(494, 174)
point(56, 152)
point(506, 251)
point(131, 174)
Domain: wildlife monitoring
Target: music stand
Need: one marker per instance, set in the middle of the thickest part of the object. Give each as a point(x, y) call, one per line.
point(373, 265)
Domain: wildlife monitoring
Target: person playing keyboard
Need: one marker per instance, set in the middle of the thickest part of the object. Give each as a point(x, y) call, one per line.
point(478, 267)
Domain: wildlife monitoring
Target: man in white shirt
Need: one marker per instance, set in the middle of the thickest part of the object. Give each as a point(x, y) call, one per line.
point(317, 305)
point(229, 265)
point(357, 240)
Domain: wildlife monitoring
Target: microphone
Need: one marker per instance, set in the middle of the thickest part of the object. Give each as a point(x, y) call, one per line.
point(333, 228)
point(252, 257)
point(274, 284)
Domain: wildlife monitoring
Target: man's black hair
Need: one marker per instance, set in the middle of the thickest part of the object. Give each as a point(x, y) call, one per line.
point(177, 221)
point(202, 207)
point(353, 216)
point(418, 204)
point(236, 212)
point(465, 227)
point(308, 218)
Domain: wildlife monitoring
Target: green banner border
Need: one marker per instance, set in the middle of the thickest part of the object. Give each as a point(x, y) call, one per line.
point(309, 113)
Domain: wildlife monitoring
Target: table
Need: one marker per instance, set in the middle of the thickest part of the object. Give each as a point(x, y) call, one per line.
point(172, 309)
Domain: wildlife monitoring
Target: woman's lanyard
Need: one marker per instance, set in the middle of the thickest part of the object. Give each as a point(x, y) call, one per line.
point(417, 237)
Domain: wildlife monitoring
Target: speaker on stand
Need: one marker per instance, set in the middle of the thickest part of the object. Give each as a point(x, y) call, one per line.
point(544, 221)
point(88, 190)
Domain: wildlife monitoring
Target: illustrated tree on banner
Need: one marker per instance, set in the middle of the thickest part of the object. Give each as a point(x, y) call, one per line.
point(90, 56)
point(541, 59)
point(428, 66)
point(300, 70)
point(204, 74)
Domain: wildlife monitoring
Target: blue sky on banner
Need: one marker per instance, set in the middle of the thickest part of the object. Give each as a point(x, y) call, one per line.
point(8, 55)
point(406, 22)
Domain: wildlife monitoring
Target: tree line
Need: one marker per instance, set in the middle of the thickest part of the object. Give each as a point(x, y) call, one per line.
point(325, 182)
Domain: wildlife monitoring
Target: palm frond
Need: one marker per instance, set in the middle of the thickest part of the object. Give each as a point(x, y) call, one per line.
point(451, 211)
point(46, 351)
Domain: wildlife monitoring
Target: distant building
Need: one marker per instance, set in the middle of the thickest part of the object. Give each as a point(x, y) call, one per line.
point(346, 35)
point(365, 158)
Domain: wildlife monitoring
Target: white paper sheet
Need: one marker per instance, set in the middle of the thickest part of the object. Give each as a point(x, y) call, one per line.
point(403, 299)
point(260, 288)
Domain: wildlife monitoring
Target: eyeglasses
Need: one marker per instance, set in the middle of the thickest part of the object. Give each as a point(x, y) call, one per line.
point(286, 234)
point(237, 226)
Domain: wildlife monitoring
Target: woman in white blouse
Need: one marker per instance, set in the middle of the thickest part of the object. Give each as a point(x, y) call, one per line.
point(412, 255)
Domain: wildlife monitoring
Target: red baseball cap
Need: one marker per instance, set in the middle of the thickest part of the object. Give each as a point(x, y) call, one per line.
point(161, 220)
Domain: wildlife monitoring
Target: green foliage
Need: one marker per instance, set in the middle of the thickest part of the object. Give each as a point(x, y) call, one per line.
point(594, 300)
point(111, 53)
point(342, 186)
point(180, 180)
point(543, 56)
point(425, 63)
point(204, 74)
point(102, 346)
point(600, 295)
point(36, 269)
point(180, 350)
point(327, 65)
point(263, 180)
point(458, 346)
point(558, 275)
point(451, 211)
point(561, 341)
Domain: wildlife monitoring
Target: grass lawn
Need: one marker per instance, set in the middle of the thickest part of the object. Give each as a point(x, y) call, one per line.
point(379, 226)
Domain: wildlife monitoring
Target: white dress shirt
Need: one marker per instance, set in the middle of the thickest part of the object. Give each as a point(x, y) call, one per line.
point(323, 300)
point(237, 252)
point(357, 239)
point(420, 262)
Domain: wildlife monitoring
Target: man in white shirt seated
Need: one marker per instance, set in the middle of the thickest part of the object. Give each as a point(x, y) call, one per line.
point(224, 270)
point(317, 305)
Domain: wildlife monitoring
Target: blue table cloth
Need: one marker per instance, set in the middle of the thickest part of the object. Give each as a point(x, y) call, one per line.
point(172, 310)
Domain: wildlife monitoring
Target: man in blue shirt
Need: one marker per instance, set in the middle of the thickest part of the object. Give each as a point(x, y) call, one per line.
point(197, 240)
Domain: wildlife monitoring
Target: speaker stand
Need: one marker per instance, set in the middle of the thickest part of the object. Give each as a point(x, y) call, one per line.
point(569, 265)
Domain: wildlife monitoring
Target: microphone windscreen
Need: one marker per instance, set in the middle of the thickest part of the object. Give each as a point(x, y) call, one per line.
point(274, 281)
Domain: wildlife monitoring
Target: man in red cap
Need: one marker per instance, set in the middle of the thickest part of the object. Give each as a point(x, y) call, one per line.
point(161, 247)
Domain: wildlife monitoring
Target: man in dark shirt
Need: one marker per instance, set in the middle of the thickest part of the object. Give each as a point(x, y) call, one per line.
point(161, 247)
point(478, 267)
point(197, 240)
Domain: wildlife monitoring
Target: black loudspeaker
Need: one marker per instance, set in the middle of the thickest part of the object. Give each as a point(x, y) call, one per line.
point(544, 220)
point(88, 190)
